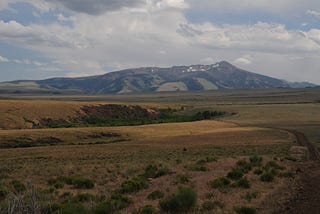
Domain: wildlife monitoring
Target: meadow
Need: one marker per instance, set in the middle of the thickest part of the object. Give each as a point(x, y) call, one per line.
point(232, 163)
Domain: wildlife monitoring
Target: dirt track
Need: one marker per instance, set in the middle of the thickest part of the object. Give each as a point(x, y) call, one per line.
point(307, 199)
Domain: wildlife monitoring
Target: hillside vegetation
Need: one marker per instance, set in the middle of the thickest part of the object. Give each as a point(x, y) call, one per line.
point(245, 160)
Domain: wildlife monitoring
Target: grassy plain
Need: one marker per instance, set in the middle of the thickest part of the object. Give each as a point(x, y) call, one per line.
point(194, 153)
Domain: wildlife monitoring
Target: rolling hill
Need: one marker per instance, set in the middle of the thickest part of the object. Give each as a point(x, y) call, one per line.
point(221, 75)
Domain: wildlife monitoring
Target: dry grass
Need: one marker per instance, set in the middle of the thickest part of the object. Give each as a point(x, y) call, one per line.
point(173, 145)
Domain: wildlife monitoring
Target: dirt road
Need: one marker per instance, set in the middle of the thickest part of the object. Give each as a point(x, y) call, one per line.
point(307, 198)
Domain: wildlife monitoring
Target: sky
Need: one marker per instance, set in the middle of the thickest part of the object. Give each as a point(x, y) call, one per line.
point(56, 38)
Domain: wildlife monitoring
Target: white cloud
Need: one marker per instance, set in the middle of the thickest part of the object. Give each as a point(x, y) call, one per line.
point(208, 60)
point(178, 4)
point(42, 6)
point(3, 59)
point(243, 60)
point(157, 33)
point(24, 61)
point(283, 7)
point(263, 37)
point(314, 13)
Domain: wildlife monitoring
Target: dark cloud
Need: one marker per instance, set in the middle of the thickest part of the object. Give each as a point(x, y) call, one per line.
point(97, 7)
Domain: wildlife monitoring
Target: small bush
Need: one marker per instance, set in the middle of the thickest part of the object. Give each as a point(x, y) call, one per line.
point(155, 195)
point(134, 184)
point(162, 171)
point(77, 182)
point(210, 205)
point(183, 201)
point(211, 159)
point(71, 208)
point(273, 165)
point(251, 195)
point(18, 186)
point(220, 182)
point(267, 177)
point(255, 160)
point(84, 197)
point(152, 171)
point(183, 179)
point(3, 193)
point(243, 183)
point(57, 183)
point(244, 166)
point(235, 174)
point(82, 183)
point(148, 209)
point(196, 167)
point(201, 162)
point(245, 210)
point(115, 203)
point(286, 174)
point(258, 171)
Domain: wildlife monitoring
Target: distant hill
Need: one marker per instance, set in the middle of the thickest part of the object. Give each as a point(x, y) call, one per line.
point(221, 75)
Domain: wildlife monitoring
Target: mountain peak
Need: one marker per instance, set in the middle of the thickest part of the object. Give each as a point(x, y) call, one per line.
point(221, 75)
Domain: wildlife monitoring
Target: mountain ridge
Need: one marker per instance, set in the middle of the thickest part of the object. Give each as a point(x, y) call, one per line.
point(221, 75)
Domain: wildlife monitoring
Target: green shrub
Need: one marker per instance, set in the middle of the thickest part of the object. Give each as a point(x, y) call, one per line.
point(82, 183)
point(210, 205)
point(66, 195)
point(273, 165)
point(155, 195)
point(3, 193)
point(134, 184)
point(267, 177)
point(84, 197)
point(286, 174)
point(201, 162)
point(57, 183)
point(152, 171)
point(162, 171)
point(243, 183)
point(77, 182)
point(244, 166)
point(196, 167)
point(258, 171)
point(211, 159)
point(18, 186)
point(115, 203)
point(148, 209)
point(182, 201)
point(251, 195)
point(72, 208)
point(235, 174)
point(183, 179)
point(255, 160)
point(245, 210)
point(220, 182)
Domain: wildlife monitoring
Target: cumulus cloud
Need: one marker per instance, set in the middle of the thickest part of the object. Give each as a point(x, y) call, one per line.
point(106, 35)
point(97, 7)
point(243, 60)
point(39, 35)
point(314, 13)
point(282, 7)
point(264, 37)
point(3, 59)
point(178, 4)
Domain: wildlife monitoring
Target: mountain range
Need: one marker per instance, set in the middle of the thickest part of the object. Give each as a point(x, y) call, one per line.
point(221, 75)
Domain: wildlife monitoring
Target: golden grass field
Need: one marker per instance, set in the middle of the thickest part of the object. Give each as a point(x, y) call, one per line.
point(256, 128)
